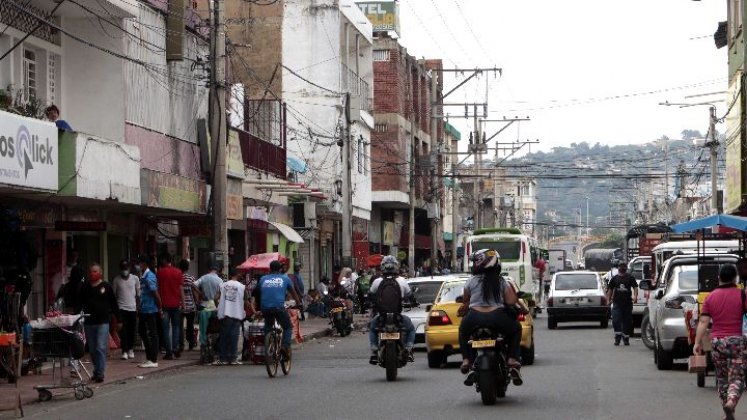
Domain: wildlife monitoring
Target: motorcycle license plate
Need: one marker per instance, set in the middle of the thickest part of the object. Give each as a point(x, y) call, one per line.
point(335, 310)
point(480, 344)
point(389, 336)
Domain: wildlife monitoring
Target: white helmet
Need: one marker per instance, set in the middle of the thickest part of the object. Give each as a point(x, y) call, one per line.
point(389, 264)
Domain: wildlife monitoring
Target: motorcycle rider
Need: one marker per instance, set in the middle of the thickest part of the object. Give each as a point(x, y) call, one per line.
point(486, 296)
point(390, 269)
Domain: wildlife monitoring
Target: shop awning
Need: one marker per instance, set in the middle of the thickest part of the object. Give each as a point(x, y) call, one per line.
point(287, 231)
point(725, 220)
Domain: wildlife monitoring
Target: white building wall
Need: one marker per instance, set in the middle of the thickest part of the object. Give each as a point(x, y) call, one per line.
point(313, 48)
point(92, 89)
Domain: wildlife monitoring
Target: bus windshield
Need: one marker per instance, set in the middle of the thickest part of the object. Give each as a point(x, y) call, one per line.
point(508, 250)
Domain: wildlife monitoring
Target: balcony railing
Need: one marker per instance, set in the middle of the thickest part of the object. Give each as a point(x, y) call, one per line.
point(357, 87)
point(263, 142)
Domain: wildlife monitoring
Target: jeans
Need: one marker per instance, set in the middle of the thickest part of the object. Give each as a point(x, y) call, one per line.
point(229, 337)
point(97, 337)
point(281, 315)
point(189, 329)
point(127, 336)
point(498, 321)
point(204, 320)
point(148, 326)
point(373, 333)
point(622, 320)
point(172, 320)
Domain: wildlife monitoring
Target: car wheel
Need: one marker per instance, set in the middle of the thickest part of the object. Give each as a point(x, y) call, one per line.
point(647, 333)
point(664, 359)
point(527, 355)
point(436, 358)
point(552, 323)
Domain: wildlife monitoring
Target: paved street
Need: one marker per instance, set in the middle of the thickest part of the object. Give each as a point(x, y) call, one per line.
point(578, 375)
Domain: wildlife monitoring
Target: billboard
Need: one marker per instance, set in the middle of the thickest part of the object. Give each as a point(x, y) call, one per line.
point(384, 15)
point(28, 152)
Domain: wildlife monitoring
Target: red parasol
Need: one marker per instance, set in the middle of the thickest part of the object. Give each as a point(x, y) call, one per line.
point(374, 260)
point(262, 261)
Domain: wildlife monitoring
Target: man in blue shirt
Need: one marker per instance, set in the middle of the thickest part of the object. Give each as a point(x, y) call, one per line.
point(150, 309)
point(270, 292)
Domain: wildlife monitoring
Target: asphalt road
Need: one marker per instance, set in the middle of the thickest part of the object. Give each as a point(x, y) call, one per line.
point(578, 374)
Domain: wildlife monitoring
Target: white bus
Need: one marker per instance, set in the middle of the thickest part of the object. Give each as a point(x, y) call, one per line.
point(518, 254)
point(665, 250)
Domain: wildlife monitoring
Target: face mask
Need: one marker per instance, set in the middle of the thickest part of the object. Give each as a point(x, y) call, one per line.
point(125, 273)
point(94, 277)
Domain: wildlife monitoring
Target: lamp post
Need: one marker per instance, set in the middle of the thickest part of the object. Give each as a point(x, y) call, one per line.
point(587, 216)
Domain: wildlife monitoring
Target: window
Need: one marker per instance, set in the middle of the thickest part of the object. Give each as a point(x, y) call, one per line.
point(52, 78)
point(29, 75)
point(576, 281)
point(380, 55)
point(381, 128)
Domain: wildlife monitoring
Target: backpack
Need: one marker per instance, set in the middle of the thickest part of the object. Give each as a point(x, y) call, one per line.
point(389, 296)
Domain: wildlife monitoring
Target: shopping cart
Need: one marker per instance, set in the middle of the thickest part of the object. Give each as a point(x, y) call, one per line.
point(60, 343)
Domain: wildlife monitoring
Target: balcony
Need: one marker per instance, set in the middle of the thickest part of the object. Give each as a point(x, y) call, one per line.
point(263, 139)
point(358, 88)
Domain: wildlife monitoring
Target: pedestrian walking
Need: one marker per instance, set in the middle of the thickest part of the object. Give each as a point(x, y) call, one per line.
point(99, 303)
point(723, 309)
point(208, 287)
point(150, 311)
point(232, 304)
point(170, 280)
point(299, 285)
point(126, 287)
point(622, 292)
point(190, 306)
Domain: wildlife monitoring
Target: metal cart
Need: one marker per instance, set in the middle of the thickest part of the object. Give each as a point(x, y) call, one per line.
point(60, 343)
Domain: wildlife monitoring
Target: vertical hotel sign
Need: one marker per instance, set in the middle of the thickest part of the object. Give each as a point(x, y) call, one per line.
point(734, 187)
point(384, 15)
point(28, 152)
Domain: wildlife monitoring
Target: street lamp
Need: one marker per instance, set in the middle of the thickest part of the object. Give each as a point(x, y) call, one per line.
point(587, 216)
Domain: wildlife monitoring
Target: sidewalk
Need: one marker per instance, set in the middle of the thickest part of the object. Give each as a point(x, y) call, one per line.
point(118, 370)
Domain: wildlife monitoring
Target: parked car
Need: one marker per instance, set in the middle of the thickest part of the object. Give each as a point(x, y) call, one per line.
point(442, 331)
point(678, 284)
point(425, 290)
point(640, 269)
point(576, 296)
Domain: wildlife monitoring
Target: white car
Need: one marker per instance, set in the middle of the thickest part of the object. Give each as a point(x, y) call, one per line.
point(576, 296)
point(425, 290)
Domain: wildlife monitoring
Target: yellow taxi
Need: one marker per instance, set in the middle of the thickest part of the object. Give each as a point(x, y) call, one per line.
point(442, 329)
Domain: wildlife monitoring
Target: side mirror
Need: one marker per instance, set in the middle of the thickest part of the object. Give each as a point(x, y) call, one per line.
point(645, 285)
point(659, 295)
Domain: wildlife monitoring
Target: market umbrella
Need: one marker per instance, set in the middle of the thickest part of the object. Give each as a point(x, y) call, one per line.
point(262, 261)
point(374, 260)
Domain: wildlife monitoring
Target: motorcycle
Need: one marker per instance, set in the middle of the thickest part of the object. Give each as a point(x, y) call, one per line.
point(490, 370)
point(392, 354)
point(340, 316)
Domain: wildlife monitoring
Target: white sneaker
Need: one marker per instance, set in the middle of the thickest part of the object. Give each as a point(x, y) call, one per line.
point(125, 356)
point(149, 364)
point(131, 354)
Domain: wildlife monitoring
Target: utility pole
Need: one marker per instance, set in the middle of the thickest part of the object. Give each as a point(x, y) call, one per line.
point(713, 144)
point(435, 149)
point(218, 134)
point(347, 192)
point(454, 209)
point(411, 215)
point(478, 181)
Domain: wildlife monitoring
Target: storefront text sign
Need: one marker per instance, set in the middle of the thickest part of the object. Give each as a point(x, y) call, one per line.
point(28, 152)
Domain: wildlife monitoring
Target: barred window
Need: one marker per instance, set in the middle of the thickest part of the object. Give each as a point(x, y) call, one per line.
point(380, 55)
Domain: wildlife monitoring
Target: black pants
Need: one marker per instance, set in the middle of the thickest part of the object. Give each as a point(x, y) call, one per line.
point(127, 336)
point(148, 327)
point(189, 329)
point(496, 320)
point(622, 320)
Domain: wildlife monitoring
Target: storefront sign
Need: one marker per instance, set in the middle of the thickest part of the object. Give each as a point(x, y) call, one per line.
point(173, 192)
point(234, 200)
point(71, 226)
point(235, 162)
point(384, 15)
point(28, 152)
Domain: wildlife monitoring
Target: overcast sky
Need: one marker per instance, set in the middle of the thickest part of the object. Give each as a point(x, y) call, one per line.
point(554, 52)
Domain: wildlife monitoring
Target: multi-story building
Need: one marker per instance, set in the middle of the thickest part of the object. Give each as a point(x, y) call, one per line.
point(129, 177)
point(313, 60)
point(401, 157)
point(732, 36)
point(515, 201)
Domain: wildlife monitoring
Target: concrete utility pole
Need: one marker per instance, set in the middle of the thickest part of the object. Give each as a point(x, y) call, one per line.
point(477, 219)
point(713, 144)
point(435, 149)
point(218, 134)
point(455, 225)
point(413, 149)
point(347, 192)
